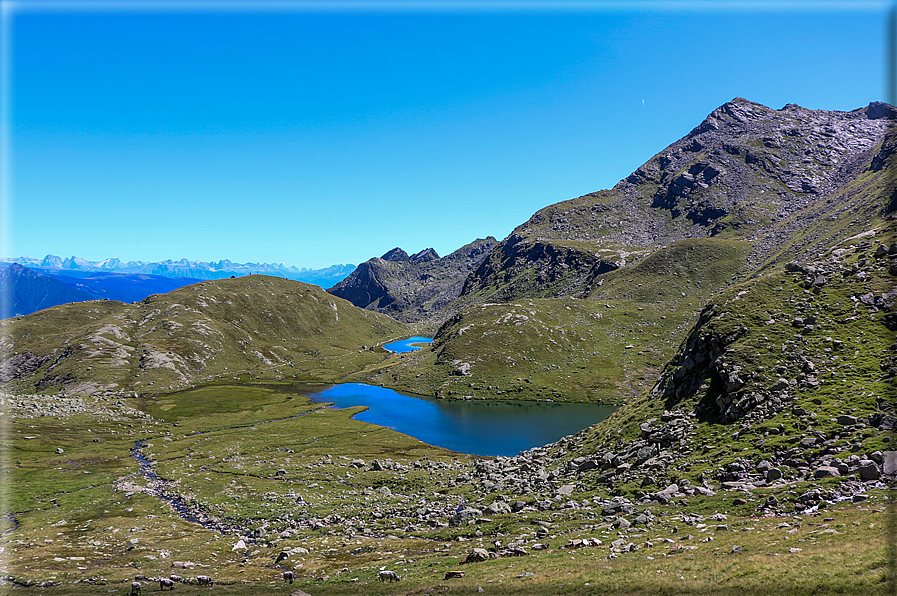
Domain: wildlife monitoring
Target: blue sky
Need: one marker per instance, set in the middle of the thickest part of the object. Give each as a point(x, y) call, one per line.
point(311, 136)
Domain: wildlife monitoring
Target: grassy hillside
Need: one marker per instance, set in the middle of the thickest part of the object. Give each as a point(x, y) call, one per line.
point(252, 326)
point(607, 347)
point(777, 369)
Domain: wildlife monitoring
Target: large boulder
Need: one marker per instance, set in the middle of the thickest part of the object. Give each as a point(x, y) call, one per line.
point(826, 472)
point(478, 555)
point(464, 516)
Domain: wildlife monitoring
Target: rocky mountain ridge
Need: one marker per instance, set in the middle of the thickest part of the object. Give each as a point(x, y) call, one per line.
point(580, 304)
point(748, 172)
point(412, 288)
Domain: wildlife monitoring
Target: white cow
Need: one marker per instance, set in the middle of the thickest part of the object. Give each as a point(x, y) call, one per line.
point(389, 576)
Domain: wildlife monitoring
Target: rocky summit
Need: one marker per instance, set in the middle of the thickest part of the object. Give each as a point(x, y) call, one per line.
point(775, 178)
point(734, 296)
point(412, 288)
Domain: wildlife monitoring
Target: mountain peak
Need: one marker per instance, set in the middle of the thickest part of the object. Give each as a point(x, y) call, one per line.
point(396, 255)
point(428, 254)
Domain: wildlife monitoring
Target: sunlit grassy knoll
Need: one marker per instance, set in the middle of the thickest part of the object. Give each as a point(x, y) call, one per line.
point(256, 327)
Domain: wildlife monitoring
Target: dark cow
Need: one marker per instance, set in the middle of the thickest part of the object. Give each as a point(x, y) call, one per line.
point(164, 582)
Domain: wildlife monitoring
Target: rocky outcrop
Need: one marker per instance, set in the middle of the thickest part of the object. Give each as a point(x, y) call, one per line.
point(523, 267)
point(412, 288)
point(748, 356)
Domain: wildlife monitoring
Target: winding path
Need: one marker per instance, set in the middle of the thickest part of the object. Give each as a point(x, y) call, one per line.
point(164, 489)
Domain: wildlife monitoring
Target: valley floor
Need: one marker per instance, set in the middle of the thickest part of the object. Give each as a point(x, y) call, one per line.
point(272, 476)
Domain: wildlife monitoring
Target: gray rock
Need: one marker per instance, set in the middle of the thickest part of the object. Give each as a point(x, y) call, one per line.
point(826, 472)
point(868, 470)
point(621, 523)
point(464, 516)
point(779, 385)
point(498, 507)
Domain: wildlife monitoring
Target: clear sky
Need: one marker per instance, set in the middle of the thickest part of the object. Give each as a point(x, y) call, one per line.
point(315, 134)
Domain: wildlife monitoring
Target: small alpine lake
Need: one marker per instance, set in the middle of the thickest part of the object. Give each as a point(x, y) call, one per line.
point(476, 427)
point(404, 345)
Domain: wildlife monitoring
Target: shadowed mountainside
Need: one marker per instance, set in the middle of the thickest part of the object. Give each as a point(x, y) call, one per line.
point(412, 288)
point(26, 291)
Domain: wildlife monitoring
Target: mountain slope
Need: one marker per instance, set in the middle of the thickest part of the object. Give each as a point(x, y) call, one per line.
point(635, 265)
point(259, 325)
point(412, 288)
point(747, 172)
point(26, 291)
point(124, 287)
point(604, 347)
point(785, 379)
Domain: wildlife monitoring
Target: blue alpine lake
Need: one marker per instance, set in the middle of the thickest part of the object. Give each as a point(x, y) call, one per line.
point(478, 427)
point(403, 345)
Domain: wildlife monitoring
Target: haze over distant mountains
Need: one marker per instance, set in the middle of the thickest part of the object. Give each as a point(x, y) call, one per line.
point(202, 270)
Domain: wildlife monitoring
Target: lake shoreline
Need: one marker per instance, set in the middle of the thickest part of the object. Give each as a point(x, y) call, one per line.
point(475, 426)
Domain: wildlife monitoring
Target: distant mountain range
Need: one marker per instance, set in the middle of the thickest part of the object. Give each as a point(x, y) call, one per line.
point(201, 270)
point(31, 284)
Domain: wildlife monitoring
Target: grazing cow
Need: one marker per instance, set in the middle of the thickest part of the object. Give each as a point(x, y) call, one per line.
point(204, 580)
point(135, 588)
point(288, 576)
point(389, 576)
point(164, 582)
point(175, 578)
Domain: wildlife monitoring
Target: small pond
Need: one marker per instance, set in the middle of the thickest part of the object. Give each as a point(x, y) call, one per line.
point(478, 427)
point(404, 345)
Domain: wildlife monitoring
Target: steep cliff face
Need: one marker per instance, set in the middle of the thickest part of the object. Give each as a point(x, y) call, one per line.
point(412, 288)
point(748, 172)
